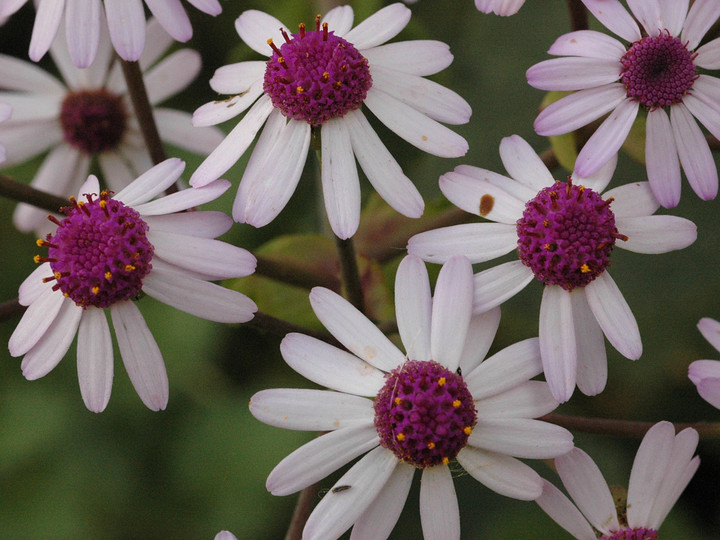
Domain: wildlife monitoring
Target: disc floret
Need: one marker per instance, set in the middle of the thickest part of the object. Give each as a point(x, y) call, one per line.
point(641, 533)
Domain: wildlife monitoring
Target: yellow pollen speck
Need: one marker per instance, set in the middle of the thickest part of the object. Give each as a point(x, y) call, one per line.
point(456, 403)
point(40, 242)
point(546, 223)
point(442, 381)
point(398, 401)
point(95, 289)
point(546, 247)
point(129, 268)
point(108, 275)
point(467, 430)
point(36, 258)
point(57, 275)
point(103, 203)
point(400, 437)
point(300, 89)
point(445, 461)
point(431, 445)
point(584, 268)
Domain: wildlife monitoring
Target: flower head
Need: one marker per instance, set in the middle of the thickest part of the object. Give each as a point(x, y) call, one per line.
point(564, 234)
point(436, 403)
point(317, 81)
point(499, 7)
point(126, 21)
point(705, 374)
point(106, 253)
point(89, 116)
point(663, 466)
point(655, 71)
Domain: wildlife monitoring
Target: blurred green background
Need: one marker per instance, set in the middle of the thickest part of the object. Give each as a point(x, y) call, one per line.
point(200, 466)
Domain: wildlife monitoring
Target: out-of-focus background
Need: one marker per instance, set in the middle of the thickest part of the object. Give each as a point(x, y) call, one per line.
point(200, 466)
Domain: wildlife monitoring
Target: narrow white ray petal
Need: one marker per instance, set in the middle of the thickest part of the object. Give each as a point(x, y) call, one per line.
point(439, 512)
point(381, 168)
point(521, 437)
point(598, 180)
point(529, 399)
point(203, 224)
point(182, 200)
point(673, 485)
point(417, 57)
point(83, 45)
point(590, 342)
point(311, 410)
point(672, 15)
point(587, 43)
point(354, 330)
point(237, 78)
point(24, 141)
point(172, 74)
point(709, 328)
point(615, 17)
point(256, 27)
point(157, 42)
point(234, 145)
point(152, 182)
point(607, 139)
point(338, 510)
point(27, 107)
point(20, 75)
point(695, 156)
point(651, 463)
point(211, 7)
point(320, 457)
point(557, 342)
point(126, 21)
point(173, 18)
point(340, 182)
point(663, 165)
point(379, 27)
point(95, 359)
point(413, 126)
point(579, 109)
point(424, 95)
point(485, 196)
point(503, 474)
point(142, 358)
point(8, 7)
point(495, 285)
point(115, 171)
point(176, 128)
point(196, 296)
point(220, 110)
point(339, 19)
point(708, 56)
point(656, 234)
point(556, 505)
point(505, 369)
point(378, 520)
point(32, 286)
point(700, 18)
point(704, 369)
point(573, 73)
point(331, 367)
point(702, 106)
point(481, 333)
point(513, 188)
point(52, 346)
point(451, 311)
point(47, 22)
point(413, 307)
point(632, 200)
point(36, 320)
point(523, 164)
point(648, 14)
point(587, 487)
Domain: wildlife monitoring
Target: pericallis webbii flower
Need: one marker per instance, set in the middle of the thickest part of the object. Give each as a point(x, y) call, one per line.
point(438, 403)
point(656, 71)
point(564, 234)
point(705, 374)
point(106, 253)
point(89, 116)
point(316, 82)
point(86, 18)
point(663, 467)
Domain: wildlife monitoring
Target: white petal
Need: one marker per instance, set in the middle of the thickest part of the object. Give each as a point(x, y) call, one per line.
point(320, 457)
point(523, 164)
point(558, 506)
point(648, 13)
point(672, 15)
point(220, 110)
point(171, 15)
point(598, 180)
point(588, 43)
point(47, 21)
point(703, 107)
point(700, 18)
point(203, 224)
point(503, 474)
point(632, 200)
point(172, 74)
point(95, 359)
point(419, 57)
point(339, 19)
point(183, 200)
point(481, 333)
point(413, 307)
point(331, 367)
point(354, 330)
point(485, 196)
point(590, 342)
point(615, 17)
point(379, 27)
point(237, 78)
point(573, 73)
point(36, 320)
point(663, 165)
point(656, 234)
point(83, 45)
point(32, 286)
point(439, 512)
point(710, 330)
point(695, 156)
point(256, 27)
point(497, 284)
point(708, 56)
point(141, 355)
point(529, 399)
point(557, 342)
point(18, 74)
point(152, 183)
point(614, 316)
point(521, 437)
point(126, 21)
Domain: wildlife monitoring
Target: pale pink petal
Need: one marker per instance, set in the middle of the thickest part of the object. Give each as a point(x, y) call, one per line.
point(709, 328)
point(661, 158)
point(495, 285)
point(32, 286)
point(237, 78)
point(225, 535)
point(702, 15)
point(557, 341)
point(95, 359)
point(439, 512)
point(503, 8)
point(8, 7)
point(614, 316)
point(556, 505)
point(672, 15)
point(24, 141)
point(704, 369)
point(141, 355)
point(152, 182)
point(211, 7)
point(632, 200)
point(503, 474)
point(36, 321)
point(85, 15)
point(523, 164)
point(413, 307)
point(709, 388)
point(172, 74)
point(126, 21)
point(478, 242)
point(588, 43)
point(515, 189)
point(521, 437)
point(615, 17)
point(176, 128)
point(171, 15)
point(219, 111)
point(29, 107)
point(20, 75)
point(573, 73)
point(354, 330)
point(182, 200)
point(590, 341)
point(708, 56)
point(339, 19)
point(695, 156)
point(256, 27)
point(667, 498)
point(649, 15)
point(656, 234)
point(485, 196)
point(598, 180)
point(47, 21)
point(418, 57)
point(157, 42)
point(203, 224)
point(703, 107)
point(480, 336)
point(529, 399)
point(379, 27)
point(331, 367)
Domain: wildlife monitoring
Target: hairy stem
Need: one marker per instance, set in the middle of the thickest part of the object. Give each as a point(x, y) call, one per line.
point(350, 274)
point(625, 428)
point(578, 15)
point(20, 192)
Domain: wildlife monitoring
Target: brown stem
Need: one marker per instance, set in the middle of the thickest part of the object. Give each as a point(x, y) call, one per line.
point(350, 274)
point(302, 512)
point(578, 15)
point(268, 323)
point(295, 274)
point(11, 309)
point(20, 192)
point(625, 428)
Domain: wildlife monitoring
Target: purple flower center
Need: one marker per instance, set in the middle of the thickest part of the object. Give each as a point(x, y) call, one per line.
point(632, 534)
point(316, 76)
point(424, 414)
point(99, 253)
point(566, 235)
point(93, 121)
point(658, 70)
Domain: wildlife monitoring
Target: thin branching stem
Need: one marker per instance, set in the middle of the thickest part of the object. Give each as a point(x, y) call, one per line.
point(625, 428)
point(20, 192)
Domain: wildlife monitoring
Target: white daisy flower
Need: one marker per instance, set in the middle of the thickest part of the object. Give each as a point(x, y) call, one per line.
point(499, 7)
point(90, 115)
point(316, 82)
point(85, 19)
point(437, 402)
point(564, 233)
point(663, 467)
point(705, 374)
point(105, 253)
point(657, 70)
